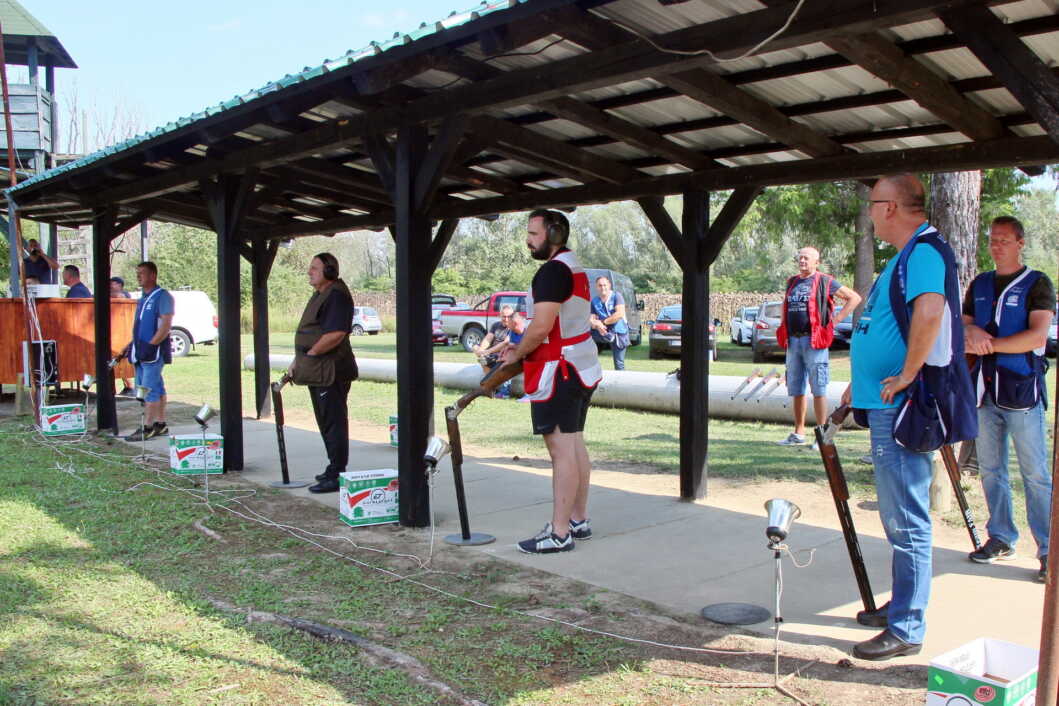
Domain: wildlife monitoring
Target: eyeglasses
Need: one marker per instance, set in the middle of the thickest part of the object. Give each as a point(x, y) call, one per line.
point(873, 201)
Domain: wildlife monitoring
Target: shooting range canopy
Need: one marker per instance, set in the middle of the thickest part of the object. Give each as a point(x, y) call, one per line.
point(558, 103)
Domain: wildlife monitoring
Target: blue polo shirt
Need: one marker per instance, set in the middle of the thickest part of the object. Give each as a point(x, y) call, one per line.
point(877, 349)
point(39, 269)
point(79, 291)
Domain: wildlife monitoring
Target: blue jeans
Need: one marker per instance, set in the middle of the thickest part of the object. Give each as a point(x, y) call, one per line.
point(619, 356)
point(806, 363)
point(902, 480)
point(1026, 428)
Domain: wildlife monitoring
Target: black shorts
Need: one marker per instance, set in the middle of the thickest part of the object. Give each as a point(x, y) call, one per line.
point(566, 411)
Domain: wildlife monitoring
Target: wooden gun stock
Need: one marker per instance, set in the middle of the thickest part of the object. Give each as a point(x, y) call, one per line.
point(836, 478)
point(488, 384)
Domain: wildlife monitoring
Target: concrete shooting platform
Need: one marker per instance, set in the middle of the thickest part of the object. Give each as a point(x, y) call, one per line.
point(649, 544)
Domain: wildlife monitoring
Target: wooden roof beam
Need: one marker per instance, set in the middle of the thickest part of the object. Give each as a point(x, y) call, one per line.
point(531, 146)
point(1021, 71)
point(710, 89)
point(584, 114)
point(975, 155)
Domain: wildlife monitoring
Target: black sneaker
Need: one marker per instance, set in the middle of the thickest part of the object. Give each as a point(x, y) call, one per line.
point(141, 434)
point(993, 550)
point(127, 392)
point(1042, 575)
point(161, 429)
point(582, 529)
point(546, 542)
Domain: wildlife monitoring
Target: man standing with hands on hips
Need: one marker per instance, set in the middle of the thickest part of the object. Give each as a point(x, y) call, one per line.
point(806, 331)
point(910, 327)
point(149, 349)
point(560, 372)
point(1006, 315)
point(323, 361)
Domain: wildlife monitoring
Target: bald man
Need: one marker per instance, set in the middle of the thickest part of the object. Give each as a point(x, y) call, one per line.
point(886, 358)
point(806, 331)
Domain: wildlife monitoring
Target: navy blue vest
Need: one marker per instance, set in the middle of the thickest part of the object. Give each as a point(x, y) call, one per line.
point(941, 403)
point(145, 326)
point(1012, 380)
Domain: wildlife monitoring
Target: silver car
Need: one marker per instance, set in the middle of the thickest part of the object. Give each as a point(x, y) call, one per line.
point(763, 342)
point(366, 320)
point(742, 325)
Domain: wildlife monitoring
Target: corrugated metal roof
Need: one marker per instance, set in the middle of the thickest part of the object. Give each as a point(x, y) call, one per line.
point(454, 19)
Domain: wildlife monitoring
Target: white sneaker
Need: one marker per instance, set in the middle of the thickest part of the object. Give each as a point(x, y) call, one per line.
point(792, 440)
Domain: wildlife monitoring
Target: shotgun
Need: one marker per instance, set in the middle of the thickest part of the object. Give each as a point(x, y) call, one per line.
point(756, 372)
point(486, 386)
point(953, 468)
point(764, 381)
point(825, 439)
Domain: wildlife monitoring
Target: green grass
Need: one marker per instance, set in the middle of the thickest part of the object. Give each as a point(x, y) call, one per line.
point(106, 588)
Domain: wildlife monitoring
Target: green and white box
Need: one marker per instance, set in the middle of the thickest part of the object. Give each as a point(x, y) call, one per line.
point(368, 497)
point(985, 672)
point(61, 419)
point(191, 454)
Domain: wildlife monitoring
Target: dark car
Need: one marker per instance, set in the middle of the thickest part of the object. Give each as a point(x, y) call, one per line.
point(763, 341)
point(843, 331)
point(664, 334)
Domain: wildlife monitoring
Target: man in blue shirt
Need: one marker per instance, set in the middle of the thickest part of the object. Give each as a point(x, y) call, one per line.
point(608, 320)
point(37, 263)
point(883, 366)
point(72, 279)
point(149, 349)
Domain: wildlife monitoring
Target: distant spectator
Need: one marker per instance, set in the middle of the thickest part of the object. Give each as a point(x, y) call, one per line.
point(72, 279)
point(38, 264)
point(117, 289)
point(30, 279)
point(608, 320)
point(494, 343)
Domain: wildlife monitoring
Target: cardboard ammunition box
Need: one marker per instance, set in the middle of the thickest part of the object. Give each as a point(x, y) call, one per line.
point(985, 672)
point(368, 497)
point(188, 455)
point(63, 419)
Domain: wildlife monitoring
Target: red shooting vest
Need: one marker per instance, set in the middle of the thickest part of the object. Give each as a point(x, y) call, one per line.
point(569, 346)
point(821, 308)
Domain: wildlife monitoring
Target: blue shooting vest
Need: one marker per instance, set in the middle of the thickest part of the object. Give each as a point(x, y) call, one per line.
point(1012, 380)
point(145, 326)
point(605, 309)
point(940, 407)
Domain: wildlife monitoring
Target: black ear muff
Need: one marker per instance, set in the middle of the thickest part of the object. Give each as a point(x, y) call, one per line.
point(330, 272)
point(556, 234)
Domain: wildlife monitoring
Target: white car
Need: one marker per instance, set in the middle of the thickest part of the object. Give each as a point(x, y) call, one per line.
point(742, 325)
point(194, 320)
point(365, 320)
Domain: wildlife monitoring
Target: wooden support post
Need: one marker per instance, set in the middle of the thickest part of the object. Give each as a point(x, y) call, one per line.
point(414, 172)
point(226, 199)
point(264, 254)
point(694, 348)
point(104, 220)
point(695, 246)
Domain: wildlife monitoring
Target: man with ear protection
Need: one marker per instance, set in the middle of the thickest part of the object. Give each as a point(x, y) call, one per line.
point(561, 370)
point(323, 361)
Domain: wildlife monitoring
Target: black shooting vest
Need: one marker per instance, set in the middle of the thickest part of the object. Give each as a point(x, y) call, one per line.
point(320, 370)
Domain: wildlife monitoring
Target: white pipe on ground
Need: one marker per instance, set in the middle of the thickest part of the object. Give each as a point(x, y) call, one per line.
point(656, 392)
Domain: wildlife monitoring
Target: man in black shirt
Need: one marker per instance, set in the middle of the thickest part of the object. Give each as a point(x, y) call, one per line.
point(560, 372)
point(323, 360)
point(1006, 316)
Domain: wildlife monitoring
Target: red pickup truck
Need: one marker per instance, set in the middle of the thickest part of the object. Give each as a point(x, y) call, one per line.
point(469, 326)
